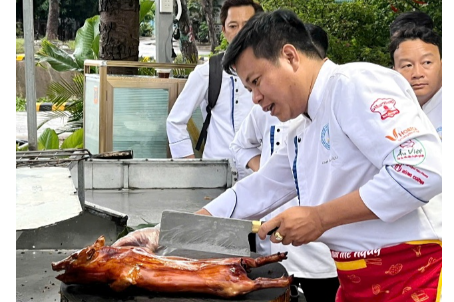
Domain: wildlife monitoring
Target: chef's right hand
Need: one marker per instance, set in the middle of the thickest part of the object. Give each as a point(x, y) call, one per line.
point(296, 225)
point(146, 237)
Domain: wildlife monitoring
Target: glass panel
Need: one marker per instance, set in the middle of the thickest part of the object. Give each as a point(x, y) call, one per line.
point(139, 121)
point(91, 113)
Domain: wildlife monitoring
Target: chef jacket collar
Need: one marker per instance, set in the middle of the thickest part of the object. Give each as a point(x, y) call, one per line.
point(318, 90)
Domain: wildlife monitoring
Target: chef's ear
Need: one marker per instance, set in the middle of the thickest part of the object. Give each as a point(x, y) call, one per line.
point(291, 55)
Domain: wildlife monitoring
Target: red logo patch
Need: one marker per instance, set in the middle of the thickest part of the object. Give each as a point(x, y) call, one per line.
point(385, 107)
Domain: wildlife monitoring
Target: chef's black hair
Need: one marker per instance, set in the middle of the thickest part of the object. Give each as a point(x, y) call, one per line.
point(266, 33)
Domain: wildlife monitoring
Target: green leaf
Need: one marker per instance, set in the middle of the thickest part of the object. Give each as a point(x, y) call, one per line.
point(95, 46)
point(145, 7)
point(125, 232)
point(58, 59)
point(74, 140)
point(48, 140)
point(63, 91)
point(84, 41)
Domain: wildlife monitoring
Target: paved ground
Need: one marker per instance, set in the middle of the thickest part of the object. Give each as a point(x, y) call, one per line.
point(147, 48)
point(21, 124)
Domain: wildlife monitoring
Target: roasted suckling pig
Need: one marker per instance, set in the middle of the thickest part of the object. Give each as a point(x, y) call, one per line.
point(121, 267)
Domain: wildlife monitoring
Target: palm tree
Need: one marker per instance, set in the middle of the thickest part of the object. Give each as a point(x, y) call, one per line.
point(52, 20)
point(208, 10)
point(187, 38)
point(119, 33)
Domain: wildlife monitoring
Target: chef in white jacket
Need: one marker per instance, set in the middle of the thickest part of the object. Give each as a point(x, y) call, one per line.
point(311, 264)
point(259, 136)
point(364, 169)
point(233, 104)
point(415, 51)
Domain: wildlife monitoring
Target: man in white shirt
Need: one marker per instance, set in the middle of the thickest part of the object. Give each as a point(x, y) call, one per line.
point(233, 104)
point(415, 51)
point(260, 136)
point(365, 165)
point(365, 169)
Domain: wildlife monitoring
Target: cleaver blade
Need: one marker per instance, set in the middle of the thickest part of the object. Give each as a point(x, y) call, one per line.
point(206, 233)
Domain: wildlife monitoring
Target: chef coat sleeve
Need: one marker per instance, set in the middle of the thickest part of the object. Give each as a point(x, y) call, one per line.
point(383, 118)
point(260, 193)
point(192, 95)
point(247, 142)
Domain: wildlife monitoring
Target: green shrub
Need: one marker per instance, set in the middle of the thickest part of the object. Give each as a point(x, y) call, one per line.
point(20, 104)
point(48, 140)
point(145, 29)
point(71, 44)
point(19, 30)
point(20, 46)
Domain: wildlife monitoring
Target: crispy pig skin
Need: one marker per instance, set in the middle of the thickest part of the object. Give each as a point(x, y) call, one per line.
point(121, 267)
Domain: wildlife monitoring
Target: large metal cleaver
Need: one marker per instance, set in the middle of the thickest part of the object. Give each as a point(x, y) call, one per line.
point(206, 233)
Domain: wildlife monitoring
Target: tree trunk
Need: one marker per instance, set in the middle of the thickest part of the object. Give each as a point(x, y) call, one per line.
point(208, 10)
point(52, 20)
point(119, 33)
point(188, 47)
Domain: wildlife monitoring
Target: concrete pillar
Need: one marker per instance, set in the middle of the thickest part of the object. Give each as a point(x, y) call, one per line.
point(164, 29)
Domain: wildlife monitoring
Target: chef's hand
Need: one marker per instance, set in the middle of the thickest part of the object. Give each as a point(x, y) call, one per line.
point(146, 237)
point(297, 225)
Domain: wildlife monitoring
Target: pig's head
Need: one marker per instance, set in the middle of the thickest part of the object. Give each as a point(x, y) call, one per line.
point(81, 257)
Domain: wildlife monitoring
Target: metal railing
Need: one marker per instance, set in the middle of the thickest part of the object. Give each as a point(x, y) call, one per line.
point(50, 158)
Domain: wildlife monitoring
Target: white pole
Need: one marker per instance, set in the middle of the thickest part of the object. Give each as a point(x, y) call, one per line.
point(30, 75)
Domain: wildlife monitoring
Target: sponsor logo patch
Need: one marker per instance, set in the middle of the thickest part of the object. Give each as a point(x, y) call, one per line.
point(400, 135)
point(324, 137)
point(411, 152)
point(386, 107)
point(412, 172)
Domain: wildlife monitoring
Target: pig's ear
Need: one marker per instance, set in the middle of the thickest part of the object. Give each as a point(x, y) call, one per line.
point(100, 242)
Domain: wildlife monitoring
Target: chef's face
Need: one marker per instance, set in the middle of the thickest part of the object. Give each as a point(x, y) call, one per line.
point(280, 87)
point(420, 64)
point(237, 16)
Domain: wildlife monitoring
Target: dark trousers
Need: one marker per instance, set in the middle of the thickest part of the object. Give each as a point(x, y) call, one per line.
point(315, 290)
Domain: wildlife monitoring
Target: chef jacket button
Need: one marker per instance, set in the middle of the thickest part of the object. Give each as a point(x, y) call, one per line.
point(278, 130)
point(235, 80)
point(236, 101)
point(299, 139)
point(277, 143)
point(237, 90)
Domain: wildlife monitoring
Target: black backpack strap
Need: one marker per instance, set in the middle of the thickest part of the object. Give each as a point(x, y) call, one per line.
point(214, 88)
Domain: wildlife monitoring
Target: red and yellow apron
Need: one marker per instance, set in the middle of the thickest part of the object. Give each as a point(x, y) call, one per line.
point(408, 272)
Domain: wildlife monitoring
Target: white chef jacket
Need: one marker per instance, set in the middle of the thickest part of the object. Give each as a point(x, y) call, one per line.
point(233, 105)
point(261, 133)
point(433, 109)
point(367, 132)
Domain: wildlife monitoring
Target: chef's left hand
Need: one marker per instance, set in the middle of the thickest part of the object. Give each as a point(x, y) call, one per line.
point(297, 225)
point(146, 237)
